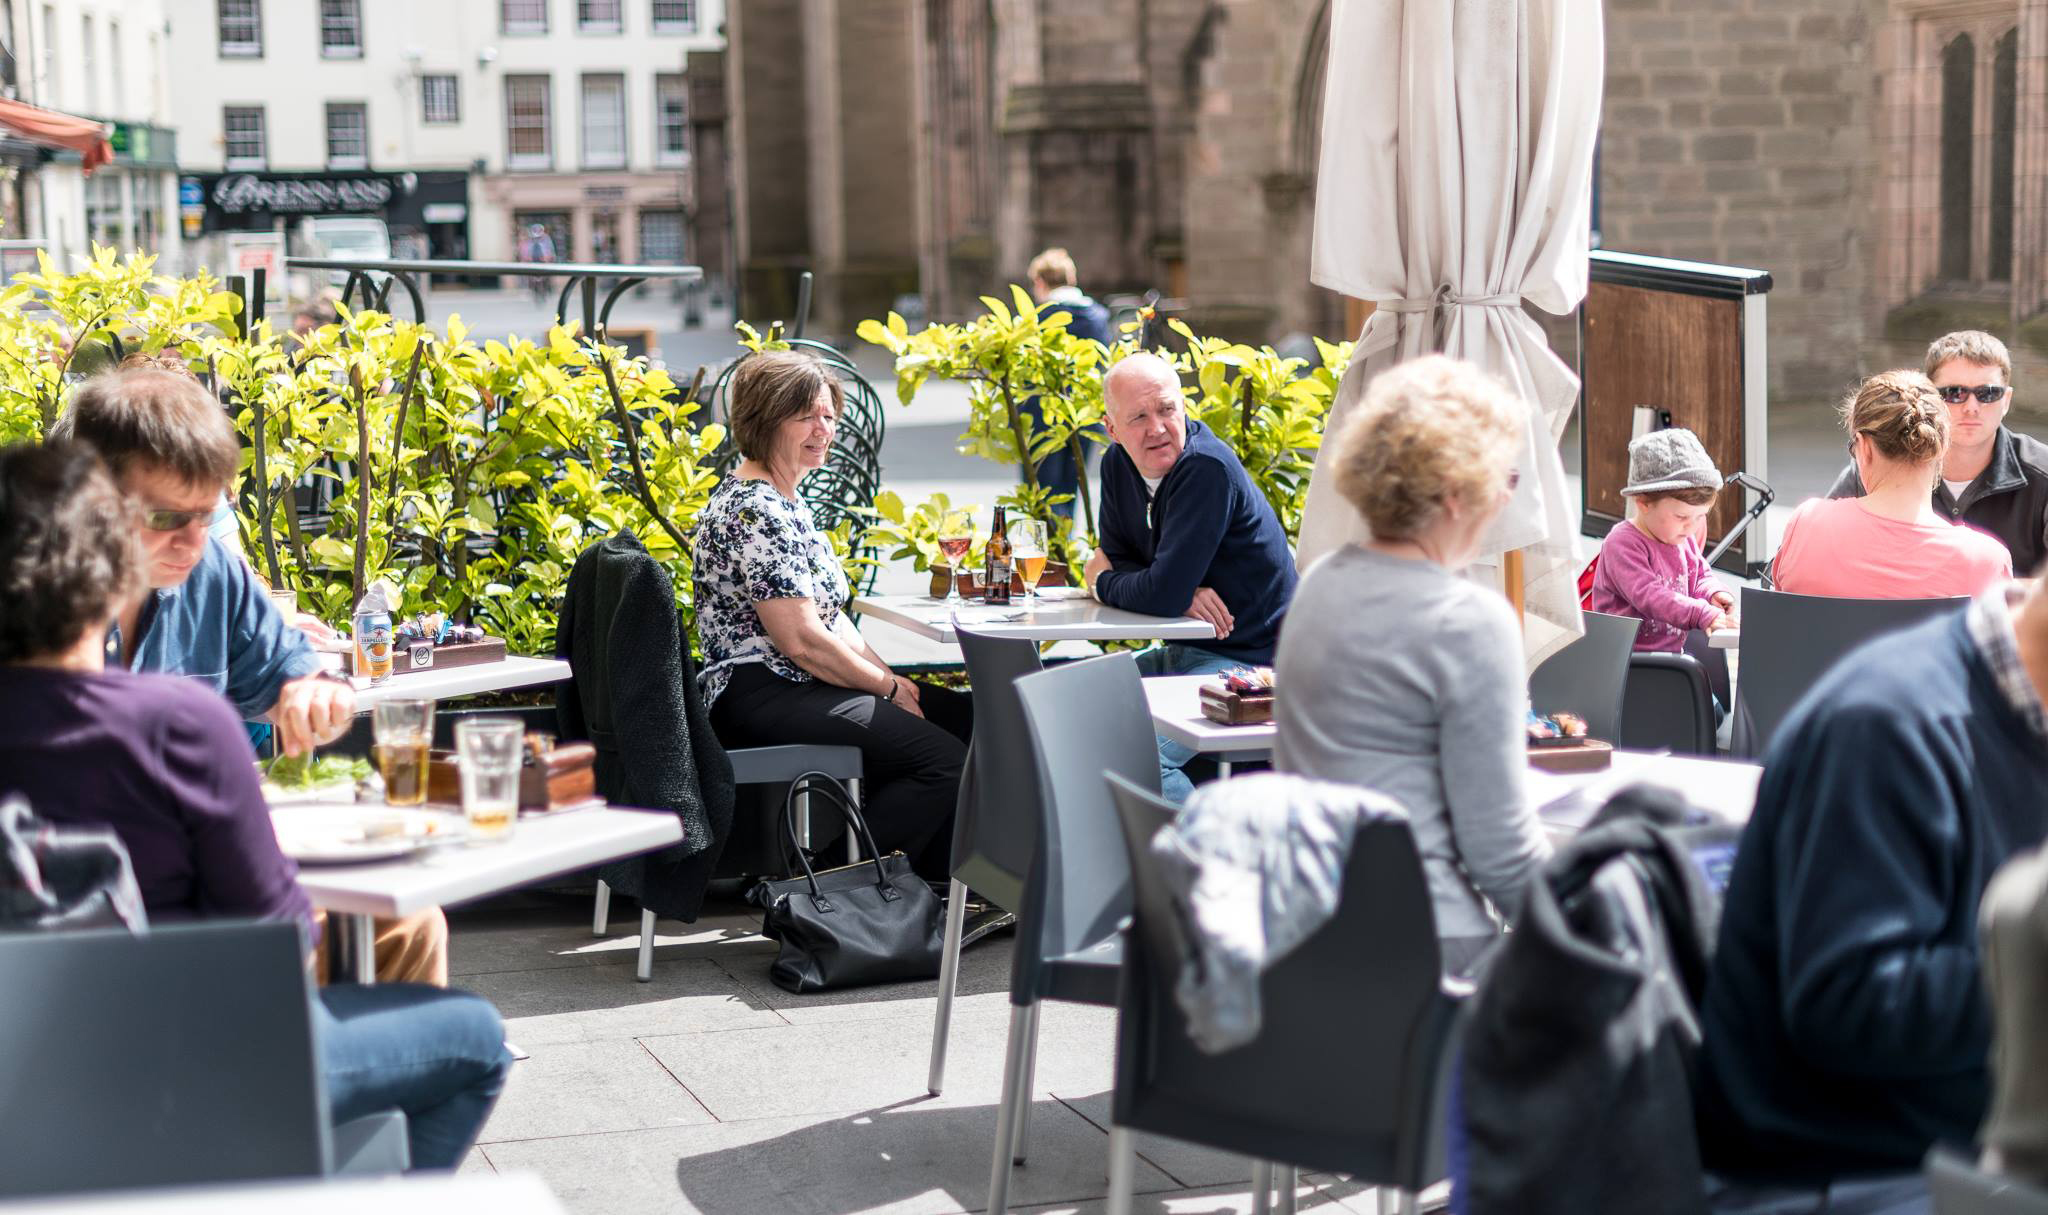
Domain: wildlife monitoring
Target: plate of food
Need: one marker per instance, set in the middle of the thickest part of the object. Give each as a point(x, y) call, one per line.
point(292, 779)
point(345, 833)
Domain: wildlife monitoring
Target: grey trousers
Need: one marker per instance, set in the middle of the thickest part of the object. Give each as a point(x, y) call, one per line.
point(1901, 1195)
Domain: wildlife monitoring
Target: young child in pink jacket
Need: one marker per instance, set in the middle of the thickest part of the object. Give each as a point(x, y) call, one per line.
point(1651, 566)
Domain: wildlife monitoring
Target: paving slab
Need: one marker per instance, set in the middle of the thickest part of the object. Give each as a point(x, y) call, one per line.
point(475, 1162)
point(840, 1067)
point(596, 1003)
point(1187, 1163)
point(585, 1088)
point(904, 1161)
point(541, 931)
point(1320, 1194)
point(984, 983)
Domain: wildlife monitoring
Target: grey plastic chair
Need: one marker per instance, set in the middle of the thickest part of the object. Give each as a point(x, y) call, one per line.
point(1959, 1187)
point(995, 824)
point(1790, 641)
point(754, 766)
point(1082, 720)
point(1587, 676)
point(1667, 705)
point(182, 1057)
point(1350, 1071)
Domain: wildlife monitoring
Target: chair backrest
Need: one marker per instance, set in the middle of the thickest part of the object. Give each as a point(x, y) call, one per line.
point(185, 1056)
point(1082, 720)
point(1587, 676)
point(1668, 705)
point(1790, 641)
point(1959, 1187)
point(995, 829)
point(1346, 1071)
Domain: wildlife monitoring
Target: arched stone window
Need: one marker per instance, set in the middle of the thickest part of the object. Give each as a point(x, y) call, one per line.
point(2004, 105)
point(1958, 131)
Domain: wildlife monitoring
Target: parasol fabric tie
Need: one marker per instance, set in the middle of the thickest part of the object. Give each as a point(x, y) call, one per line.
point(1444, 299)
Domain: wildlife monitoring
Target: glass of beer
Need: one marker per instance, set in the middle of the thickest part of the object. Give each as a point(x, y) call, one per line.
point(1027, 553)
point(489, 751)
point(404, 730)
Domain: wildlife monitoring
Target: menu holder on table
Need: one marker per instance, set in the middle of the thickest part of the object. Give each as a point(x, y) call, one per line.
point(410, 656)
point(1228, 708)
point(1575, 755)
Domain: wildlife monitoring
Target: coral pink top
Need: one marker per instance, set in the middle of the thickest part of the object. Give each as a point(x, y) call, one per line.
point(1835, 547)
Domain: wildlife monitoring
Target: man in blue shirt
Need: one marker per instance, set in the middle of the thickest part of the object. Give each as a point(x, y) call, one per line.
point(1846, 1025)
point(1185, 532)
point(204, 615)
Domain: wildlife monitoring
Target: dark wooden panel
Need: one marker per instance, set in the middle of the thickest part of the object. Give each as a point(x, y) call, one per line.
point(1677, 352)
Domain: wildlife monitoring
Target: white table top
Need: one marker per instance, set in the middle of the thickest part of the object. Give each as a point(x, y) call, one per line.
point(1175, 701)
point(411, 1194)
point(1725, 639)
point(1725, 788)
point(1031, 620)
point(541, 847)
point(512, 672)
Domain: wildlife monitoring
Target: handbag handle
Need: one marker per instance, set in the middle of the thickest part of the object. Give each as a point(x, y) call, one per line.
point(819, 783)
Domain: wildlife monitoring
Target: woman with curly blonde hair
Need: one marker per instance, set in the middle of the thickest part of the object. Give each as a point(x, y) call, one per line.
point(1396, 674)
point(1890, 543)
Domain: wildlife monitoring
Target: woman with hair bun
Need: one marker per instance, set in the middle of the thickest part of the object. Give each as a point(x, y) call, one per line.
point(1890, 543)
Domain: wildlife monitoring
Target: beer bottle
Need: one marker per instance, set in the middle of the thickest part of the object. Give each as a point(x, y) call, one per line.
point(998, 560)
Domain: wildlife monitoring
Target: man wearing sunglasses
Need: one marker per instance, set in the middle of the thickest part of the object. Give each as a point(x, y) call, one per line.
point(1992, 479)
point(205, 616)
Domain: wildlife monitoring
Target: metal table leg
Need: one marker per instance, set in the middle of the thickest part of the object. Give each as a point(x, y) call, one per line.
point(351, 948)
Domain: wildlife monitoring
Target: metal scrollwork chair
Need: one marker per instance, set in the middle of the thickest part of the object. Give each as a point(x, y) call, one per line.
point(852, 474)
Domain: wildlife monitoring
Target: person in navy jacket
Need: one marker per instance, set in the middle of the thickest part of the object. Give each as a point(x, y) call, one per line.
point(1185, 532)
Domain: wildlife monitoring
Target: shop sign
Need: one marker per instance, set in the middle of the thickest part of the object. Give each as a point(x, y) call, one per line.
point(307, 194)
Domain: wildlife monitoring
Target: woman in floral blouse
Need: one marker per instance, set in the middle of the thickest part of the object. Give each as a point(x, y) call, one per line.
point(782, 663)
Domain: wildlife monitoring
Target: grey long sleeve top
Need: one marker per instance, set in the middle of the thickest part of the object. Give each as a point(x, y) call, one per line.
point(1399, 676)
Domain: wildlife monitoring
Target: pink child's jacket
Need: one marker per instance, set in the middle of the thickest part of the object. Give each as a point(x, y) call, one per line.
point(1666, 586)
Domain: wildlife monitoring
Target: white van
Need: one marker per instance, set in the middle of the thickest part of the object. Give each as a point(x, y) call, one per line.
point(351, 236)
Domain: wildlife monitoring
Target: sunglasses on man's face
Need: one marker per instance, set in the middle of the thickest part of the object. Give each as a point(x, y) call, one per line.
point(174, 520)
point(1986, 394)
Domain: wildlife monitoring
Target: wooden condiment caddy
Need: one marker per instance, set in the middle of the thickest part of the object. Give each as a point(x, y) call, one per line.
point(559, 779)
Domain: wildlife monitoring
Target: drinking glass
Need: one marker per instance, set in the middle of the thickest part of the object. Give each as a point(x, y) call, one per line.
point(956, 538)
point(404, 730)
point(1027, 552)
point(489, 751)
point(286, 602)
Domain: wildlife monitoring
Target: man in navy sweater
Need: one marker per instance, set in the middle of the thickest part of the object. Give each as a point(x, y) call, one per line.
point(1184, 533)
point(1846, 1023)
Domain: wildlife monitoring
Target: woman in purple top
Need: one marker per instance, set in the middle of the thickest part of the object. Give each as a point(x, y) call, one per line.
point(164, 763)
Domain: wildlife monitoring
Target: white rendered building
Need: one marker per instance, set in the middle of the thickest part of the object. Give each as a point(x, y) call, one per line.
point(104, 60)
point(460, 123)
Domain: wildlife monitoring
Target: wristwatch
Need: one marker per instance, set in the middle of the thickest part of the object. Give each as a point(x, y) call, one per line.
point(332, 676)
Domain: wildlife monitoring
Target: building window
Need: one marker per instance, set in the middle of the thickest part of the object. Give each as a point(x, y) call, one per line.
point(242, 129)
point(115, 75)
point(341, 29)
point(148, 209)
point(440, 100)
point(348, 136)
point(661, 238)
point(604, 122)
point(2004, 107)
point(528, 144)
point(523, 16)
point(598, 16)
point(1958, 121)
point(88, 66)
point(675, 16)
point(241, 29)
point(105, 217)
point(671, 120)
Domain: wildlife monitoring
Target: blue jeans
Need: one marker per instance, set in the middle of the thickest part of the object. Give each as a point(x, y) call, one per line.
point(438, 1055)
point(1180, 660)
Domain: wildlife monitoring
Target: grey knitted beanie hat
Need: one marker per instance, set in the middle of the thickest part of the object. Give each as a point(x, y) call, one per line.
point(1669, 459)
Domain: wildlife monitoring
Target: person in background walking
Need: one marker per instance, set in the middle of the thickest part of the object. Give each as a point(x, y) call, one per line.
point(1056, 286)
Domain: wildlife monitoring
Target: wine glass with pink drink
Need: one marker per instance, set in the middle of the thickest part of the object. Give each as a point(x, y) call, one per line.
point(956, 539)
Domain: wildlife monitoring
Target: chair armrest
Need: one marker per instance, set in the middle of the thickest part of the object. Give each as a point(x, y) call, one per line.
point(372, 1145)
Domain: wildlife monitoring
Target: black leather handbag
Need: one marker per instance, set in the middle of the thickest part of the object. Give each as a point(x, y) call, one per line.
point(871, 922)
